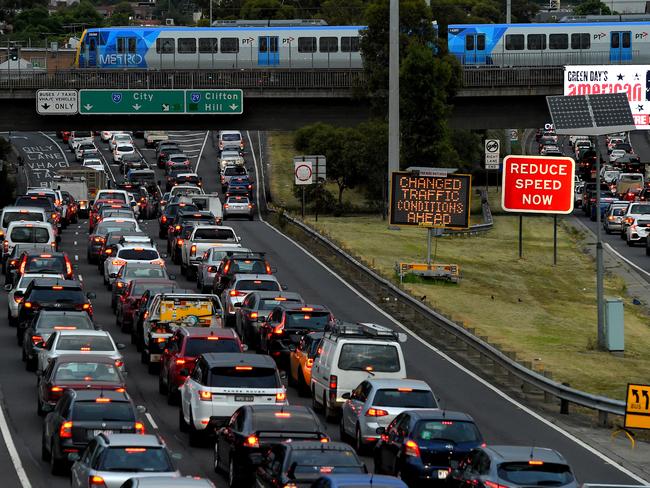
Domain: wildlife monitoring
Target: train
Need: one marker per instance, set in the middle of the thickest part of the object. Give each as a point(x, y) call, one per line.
point(311, 45)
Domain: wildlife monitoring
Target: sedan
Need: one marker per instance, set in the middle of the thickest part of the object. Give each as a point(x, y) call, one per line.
point(133, 270)
point(121, 150)
point(238, 206)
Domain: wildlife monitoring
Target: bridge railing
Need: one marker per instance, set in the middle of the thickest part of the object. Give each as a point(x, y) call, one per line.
point(486, 77)
point(554, 59)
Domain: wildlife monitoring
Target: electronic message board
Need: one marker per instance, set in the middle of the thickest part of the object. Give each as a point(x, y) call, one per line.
point(430, 201)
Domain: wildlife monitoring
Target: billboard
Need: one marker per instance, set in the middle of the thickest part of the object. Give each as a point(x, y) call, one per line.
point(430, 201)
point(634, 80)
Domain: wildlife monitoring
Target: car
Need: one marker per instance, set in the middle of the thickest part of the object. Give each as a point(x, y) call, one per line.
point(98, 237)
point(76, 372)
point(237, 262)
point(109, 246)
point(252, 429)
point(240, 286)
point(349, 354)
point(209, 263)
point(183, 178)
point(53, 263)
point(133, 270)
point(153, 137)
point(283, 328)
point(222, 382)
point(28, 214)
point(416, 445)
point(142, 313)
point(169, 214)
point(637, 232)
point(358, 481)
point(301, 463)
point(241, 186)
point(613, 219)
point(177, 161)
point(118, 138)
point(89, 342)
point(238, 206)
point(164, 150)
point(204, 235)
point(231, 172)
point(17, 293)
point(120, 150)
point(168, 482)
point(36, 235)
point(513, 466)
point(79, 136)
point(375, 403)
point(104, 209)
point(636, 210)
point(184, 348)
point(112, 195)
point(85, 149)
point(93, 162)
point(132, 161)
point(81, 415)
point(106, 135)
point(128, 300)
point(230, 140)
point(301, 361)
point(129, 252)
point(176, 238)
point(606, 198)
point(45, 324)
point(230, 157)
point(115, 458)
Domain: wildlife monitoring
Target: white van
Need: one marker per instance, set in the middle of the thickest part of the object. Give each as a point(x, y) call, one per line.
point(211, 203)
point(350, 354)
point(27, 233)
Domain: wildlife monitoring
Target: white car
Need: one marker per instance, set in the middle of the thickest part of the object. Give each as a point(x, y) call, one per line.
point(93, 163)
point(80, 341)
point(15, 296)
point(240, 286)
point(79, 135)
point(106, 135)
point(637, 233)
point(131, 252)
point(230, 157)
point(119, 137)
point(121, 149)
point(85, 148)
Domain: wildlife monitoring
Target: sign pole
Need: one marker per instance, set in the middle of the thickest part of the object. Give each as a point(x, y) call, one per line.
point(554, 240)
point(599, 256)
point(429, 246)
point(393, 92)
point(303, 203)
point(521, 237)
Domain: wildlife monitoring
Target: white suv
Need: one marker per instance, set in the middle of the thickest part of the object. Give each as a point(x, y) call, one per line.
point(223, 382)
point(350, 354)
point(132, 252)
point(241, 285)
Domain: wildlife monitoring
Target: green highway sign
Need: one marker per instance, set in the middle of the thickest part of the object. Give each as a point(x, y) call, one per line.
point(99, 102)
point(214, 101)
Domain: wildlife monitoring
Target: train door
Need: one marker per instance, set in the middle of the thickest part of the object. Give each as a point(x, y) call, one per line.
point(91, 50)
point(267, 51)
point(620, 46)
point(474, 49)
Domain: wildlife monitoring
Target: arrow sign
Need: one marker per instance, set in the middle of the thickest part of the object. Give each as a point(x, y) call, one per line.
point(234, 106)
point(137, 106)
point(88, 106)
point(165, 107)
point(46, 106)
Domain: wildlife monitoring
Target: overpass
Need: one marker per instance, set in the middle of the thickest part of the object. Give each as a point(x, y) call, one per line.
point(491, 97)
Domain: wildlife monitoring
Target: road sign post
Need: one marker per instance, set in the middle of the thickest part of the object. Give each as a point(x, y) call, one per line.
point(303, 173)
point(492, 150)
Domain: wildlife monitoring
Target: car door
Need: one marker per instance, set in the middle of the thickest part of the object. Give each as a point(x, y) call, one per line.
point(44, 381)
point(354, 405)
point(45, 353)
point(396, 441)
point(190, 388)
point(79, 470)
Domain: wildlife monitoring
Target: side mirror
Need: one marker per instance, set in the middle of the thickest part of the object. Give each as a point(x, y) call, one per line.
point(112, 275)
point(8, 287)
point(285, 287)
point(381, 430)
point(164, 255)
point(73, 457)
point(172, 276)
point(91, 295)
point(120, 346)
point(141, 409)
point(244, 347)
point(198, 258)
point(346, 396)
point(184, 372)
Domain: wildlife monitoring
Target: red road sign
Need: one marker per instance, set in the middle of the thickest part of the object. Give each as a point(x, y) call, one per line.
point(538, 184)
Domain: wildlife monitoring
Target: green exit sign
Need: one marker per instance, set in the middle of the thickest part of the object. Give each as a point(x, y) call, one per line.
point(214, 101)
point(100, 102)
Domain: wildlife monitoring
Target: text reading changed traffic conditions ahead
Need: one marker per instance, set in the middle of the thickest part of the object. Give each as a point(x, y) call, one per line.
point(430, 201)
point(538, 184)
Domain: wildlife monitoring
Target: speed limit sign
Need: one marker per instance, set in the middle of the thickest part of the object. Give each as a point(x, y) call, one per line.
point(303, 173)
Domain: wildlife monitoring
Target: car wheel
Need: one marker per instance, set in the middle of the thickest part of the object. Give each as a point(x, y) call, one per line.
point(56, 465)
point(629, 242)
point(182, 425)
point(330, 413)
point(316, 407)
point(216, 463)
point(152, 367)
point(162, 387)
point(39, 407)
point(359, 445)
point(233, 479)
point(45, 454)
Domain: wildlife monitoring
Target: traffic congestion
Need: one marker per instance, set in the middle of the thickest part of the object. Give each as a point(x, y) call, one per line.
point(166, 337)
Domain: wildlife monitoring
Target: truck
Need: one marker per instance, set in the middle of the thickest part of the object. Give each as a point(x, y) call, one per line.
point(629, 183)
point(204, 237)
point(153, 137)
point(210, 202)
point(94, 181)
point(75, 186)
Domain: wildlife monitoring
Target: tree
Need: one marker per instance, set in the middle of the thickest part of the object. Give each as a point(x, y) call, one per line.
point(592, 7)
point(122, 14)
point(342, 12)
point(266, 9)
point(523, 11)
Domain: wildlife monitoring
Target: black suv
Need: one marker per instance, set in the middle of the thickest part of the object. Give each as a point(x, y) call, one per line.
point(51, 294)
point(240, 262)
point(169, 214)
point(79, 416)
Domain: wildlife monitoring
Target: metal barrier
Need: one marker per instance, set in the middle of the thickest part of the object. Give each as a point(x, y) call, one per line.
point(493, 77)
point(476, 229)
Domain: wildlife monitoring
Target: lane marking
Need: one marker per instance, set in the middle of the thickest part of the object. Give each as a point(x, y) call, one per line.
point(13, 452)
point(453, 362)
point(76, 258)
point(154, 425)
point(75, 243)
point(198, 162)
point(618, 254)
point(81, 278)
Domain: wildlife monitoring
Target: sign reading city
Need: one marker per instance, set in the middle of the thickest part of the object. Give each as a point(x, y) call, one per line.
point(637, 407)
point(538, 184)
point(430, 201)
point(56, 102)
point(214, 101)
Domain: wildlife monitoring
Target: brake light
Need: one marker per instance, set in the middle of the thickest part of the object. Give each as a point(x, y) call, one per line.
point(253, 315)
point(225, 205)
point(233, 293)
point(376, 412)
point(193, 250)
point(36, 339)
point(212, 338)
point(102, 400)
point(118, 262)
point(534, 462)
point(243, 368)
point(68, 266)
point(139, 428)
point(86, 306)
point(177, 228)
point(404, 390)
point(163, 219)
point(18, 299)
point(280, 397)
point(119, 363)
point(179, 242)
point(120, 390)
point(252, 441)
point(310, 363)
point(56, 389)
point(411, 449)
point(333, 382)
point(268, 268)
point(283, 415)
point(65, 431)
point(205, 395)
point(23, 264)
point(492, 484)
point(212, 269)
point(96, 481)
point(28, 305)
point(180, 362)
point(57, 287)
point(99, 239)
point(307, 309)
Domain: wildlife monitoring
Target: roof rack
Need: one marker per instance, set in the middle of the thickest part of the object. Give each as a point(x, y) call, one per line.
point(367, 330)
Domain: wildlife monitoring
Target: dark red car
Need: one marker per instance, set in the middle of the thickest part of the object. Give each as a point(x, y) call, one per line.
point(183, 349)
point(77, 372)
point(129, 301)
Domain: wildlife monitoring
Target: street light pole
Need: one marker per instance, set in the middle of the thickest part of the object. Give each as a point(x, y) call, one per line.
point(393, 92)
point(599, 258)
point(210, 13)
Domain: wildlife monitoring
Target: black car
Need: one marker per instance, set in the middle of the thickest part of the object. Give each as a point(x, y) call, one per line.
point(240, 263)
point(301, 463)
point(169, 214)
point(164, 150)
point(132, 161)
point(253, 428)
point(51, 294)
point(56, 263)
point(183, 218)
point(175, 241)
point(281, 332)
point(424, 445)
point(78, 417)
point(44, 325)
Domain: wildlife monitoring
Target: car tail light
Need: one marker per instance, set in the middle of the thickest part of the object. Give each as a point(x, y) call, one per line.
point(193, 250)
point(179, 242)
point(36, 339)
point(119, 284)
point(30, 305)
point(205, 395)
point(99, 239)
point(226, 205)
point(180, 362)
point(120, 390)
point(411, 449)
point(23, 264)
point(250, 206)
point(280, 397)
point(139, 428)
point(492, 484)
point(177, 228)
point(310, 363)
point(118, 262)
point(333, 384)
point(65, 431)
point(17, 298)
point(233, 293)
point(5, 246)
point(96, 481)
point(252, 441)
point(119, 363)
point(68, 266)
point(56, 389)
point(212, 269)
point(253, 315)
point(376, 412)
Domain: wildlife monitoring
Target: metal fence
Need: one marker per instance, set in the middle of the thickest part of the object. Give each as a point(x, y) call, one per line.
point(486, 77)
point(555, 59)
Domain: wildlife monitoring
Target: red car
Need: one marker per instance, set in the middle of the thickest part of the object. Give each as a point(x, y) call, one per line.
point(77, 372)
point(184, 348)
point(128, 302)
point(94, 214)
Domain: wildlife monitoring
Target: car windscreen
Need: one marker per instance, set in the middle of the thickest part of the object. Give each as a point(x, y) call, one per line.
point(39, 235)
point(35, 202)
point(277, 422)
point(310, 461)
point(13, 216)
point(214, 234)
point(107, 195)
point(203, 345)
point(88, 411)
point(640, 209)
point(535, 474)
point(271, 303)
point(234, 170)
point(136, 459)
point(172, 210)
point(196, 220)
point(306, 320)
point(404, 398)
point(105, 227)
point(143, 177)
point(244, 377)
point(142, 272)
point(58, 296)
point(41, 264)
point(231, 137)
point(382, 358)
point(125, 148)
point(83, 134)
point(453, 430)
point(138, 254)
point(61, 321)
point(140, 288)
point(84, 343)
point(179, 159)
point(87, 371)
point(257, 285)
point(618, 212)
point(118, 213)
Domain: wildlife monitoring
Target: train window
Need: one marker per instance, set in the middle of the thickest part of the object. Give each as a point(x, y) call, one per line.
point(350, 44)
point(580, 41)
point(165, 46)
point(208, 45)
point(480, 42)
point(558, 41)
point(121, 45)
point(263, 45)
point(514, 42)
point(626, 39)
point(187, 45)
point(328, 44)
point(132, 45)
point(306, 44)
point(469, 43)
point(536, 42)
point(229, 45)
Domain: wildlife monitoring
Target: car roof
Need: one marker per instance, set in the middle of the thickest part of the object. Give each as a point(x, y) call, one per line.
point(524, 454)
point(29, 223)
point(263, 277)
point(178, 155)
point(18, 208)
point(299, 307)
point(234, 358)
point(359, 480)
point(229, 132)
point(48, 282)
point(221, 333)
point(83, 358)
point(84, 332)
point(172, 482)
point(297, 413)
point(321, 446)
point(133, 440)
point(398, 383)
point(437, 414)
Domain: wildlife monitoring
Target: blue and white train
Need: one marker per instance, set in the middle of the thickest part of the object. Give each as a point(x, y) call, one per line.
point(220, 47)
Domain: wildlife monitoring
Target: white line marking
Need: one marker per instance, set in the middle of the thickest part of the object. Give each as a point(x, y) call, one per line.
point(618, 254)
point(485, 383)
point(13, 452)
point(75, 243)
point(151, 421)
point(76, 233)
point(57, 145)
point(81, 278)
point(198, 161)
point(76, 258)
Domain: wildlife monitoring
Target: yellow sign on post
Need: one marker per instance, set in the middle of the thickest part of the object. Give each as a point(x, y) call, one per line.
point(637, 407)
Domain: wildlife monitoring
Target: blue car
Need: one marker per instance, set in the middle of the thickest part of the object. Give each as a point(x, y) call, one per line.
point(423, 446)
point(358, 481)
point(606, 198)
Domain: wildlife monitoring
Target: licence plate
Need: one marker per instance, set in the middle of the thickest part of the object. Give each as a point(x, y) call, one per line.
point(442, 474)
point(244, 398)
point(97, 432)
point(154, 358)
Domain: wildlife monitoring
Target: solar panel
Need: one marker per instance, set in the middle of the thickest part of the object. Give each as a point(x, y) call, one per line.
point(592, 115)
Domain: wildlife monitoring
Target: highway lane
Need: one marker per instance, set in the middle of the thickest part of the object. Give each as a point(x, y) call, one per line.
point(501, 421)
